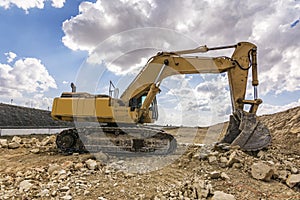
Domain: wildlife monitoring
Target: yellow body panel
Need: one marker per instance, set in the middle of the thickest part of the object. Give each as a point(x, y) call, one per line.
point(82, 108)
point(94, 109)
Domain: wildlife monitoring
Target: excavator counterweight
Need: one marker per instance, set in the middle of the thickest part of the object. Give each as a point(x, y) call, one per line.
point(119, 120)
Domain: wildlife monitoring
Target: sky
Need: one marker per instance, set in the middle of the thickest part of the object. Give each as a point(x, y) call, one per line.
point(47, 44)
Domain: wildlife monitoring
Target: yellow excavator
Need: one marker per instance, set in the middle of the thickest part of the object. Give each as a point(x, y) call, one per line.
point(111, 124)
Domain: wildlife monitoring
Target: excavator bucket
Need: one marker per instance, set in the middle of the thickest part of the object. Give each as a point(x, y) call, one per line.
point(246, 131)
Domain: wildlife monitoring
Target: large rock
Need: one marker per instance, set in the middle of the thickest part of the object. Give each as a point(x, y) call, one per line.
point(215, 174)
point(25, 186)
point(219, 195)
point(3, 143)
point(101, 156)
point(53, 167)
point(13, 145)
point(48, 140)
point(262, 171)
point(293, 180)
point(16, 139)
point(91, 164)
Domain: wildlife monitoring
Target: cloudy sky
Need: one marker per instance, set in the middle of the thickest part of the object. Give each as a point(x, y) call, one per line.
point(47, 44)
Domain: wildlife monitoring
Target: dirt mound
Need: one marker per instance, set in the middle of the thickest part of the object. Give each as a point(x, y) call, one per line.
point(285, 129)
point(18, 116)
point(32, 168)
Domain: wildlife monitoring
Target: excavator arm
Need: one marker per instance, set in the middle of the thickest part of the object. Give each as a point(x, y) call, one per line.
point(244, 129)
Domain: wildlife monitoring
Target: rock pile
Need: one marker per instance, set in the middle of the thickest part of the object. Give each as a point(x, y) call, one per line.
point(64, 181)
point(33, 144)
point(266, 165)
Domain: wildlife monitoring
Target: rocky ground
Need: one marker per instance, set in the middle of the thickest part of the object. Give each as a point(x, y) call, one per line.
point(32, 168)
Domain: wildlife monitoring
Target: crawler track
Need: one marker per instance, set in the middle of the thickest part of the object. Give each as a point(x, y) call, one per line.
point(120, 140)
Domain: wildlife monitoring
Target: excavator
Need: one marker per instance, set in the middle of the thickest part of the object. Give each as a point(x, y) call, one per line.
point(111, 124)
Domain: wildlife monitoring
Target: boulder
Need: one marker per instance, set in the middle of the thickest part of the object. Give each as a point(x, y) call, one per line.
point(212, 159)
point(293, 180)
point(35, 150)
point(25, 186)
point(215, 174)
point(3, 143)
point(13, 145)
point(219, 195)
point(16, 139)
point(53, 167)
point(262, 171)
point(101, 156)
point(91, 164)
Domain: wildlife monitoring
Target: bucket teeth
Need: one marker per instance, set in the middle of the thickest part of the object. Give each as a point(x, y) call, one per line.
point(247, 132)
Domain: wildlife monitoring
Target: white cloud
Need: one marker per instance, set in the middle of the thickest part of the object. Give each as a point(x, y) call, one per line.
point(29, 4)
point(10, 56)
point(25, 5)
point(26, 80)
point(58, 3)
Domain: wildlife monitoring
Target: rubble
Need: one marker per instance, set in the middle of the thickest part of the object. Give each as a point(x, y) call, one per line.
point(262, 171)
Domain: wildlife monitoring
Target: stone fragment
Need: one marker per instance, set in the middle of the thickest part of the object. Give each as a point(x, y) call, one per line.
point(233, 158)
point(67, 164)
point(212, 159)
point(53, 167)
point(44, 193)
point(19, 174)
point(223, 159)
point(34, 141)
point(262, 171)
point(219, 195)
point(13, 145)
point(91, 164)
point(224, 176)
point(3, 143)
point(293, 180)
point(35, 150)
point(78, 166)
point(203, 155)
point(215, 174)
point(64, 189)
point(48, 140)
point(16, 139)
point(294, 170)
point(25, 186)
point(282, 175)
point(67, 197)
point(101, 156)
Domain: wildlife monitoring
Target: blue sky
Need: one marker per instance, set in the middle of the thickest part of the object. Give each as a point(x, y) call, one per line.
point(38, 34)
point(50, 41)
